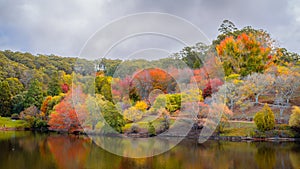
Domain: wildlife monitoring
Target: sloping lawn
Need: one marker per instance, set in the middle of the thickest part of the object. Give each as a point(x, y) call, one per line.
point(7, 123)
point(239, 129)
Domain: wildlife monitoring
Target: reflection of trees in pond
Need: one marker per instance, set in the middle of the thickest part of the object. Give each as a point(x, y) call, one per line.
point(294, 156)
point(135, 147)
point(61, 151)
point(69, 151)
point(23, 151)
point(295, 159)
point(99, 158)
point(265, 156)
point(31, 144)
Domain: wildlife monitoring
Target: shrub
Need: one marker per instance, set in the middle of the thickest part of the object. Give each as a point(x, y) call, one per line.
point(15, 116)
point(40, 124)
point(134, 128)
point(294, 121)
point(173, 102)
point(141, 105)
point(151, 129)
point(160, 102)
point(264, 119)
point(31, 111)
point(133, 114)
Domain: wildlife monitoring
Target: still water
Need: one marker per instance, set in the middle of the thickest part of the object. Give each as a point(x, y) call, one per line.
point(27, 150)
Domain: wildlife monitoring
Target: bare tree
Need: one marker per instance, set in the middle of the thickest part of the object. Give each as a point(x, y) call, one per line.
point(232, 93)
point(258, 84)
point(285, 88)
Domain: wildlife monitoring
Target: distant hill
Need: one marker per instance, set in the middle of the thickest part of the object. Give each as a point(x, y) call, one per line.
point(25, 66)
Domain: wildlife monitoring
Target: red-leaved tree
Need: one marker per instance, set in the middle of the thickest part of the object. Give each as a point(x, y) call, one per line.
point(212, 86)
point(69, 113)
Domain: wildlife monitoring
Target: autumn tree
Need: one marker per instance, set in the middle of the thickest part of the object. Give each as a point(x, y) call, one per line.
point(211, 87)
point(149, 79)
point(49, 103)
point(44, 106)
point(286, 57)
point(244, 54)
point(294, 121)
point(103, 86)
point(68, 115)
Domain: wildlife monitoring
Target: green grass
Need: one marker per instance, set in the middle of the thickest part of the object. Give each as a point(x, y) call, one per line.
point(249, 129)
point(239, 129)
point(6, 122)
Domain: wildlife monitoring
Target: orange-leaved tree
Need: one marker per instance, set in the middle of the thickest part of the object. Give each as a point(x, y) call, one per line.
point(246, 53)
point(149, 79)
point(70, 113)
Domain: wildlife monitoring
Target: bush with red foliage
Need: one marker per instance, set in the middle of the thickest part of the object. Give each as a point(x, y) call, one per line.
point(211, 87)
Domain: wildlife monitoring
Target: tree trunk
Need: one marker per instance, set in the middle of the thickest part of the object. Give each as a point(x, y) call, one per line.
point(281, 112)
point(256, 99)
point(231, 105)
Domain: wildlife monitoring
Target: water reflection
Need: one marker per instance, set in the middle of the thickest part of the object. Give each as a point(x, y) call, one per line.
point(265, 156)
point(78, 152)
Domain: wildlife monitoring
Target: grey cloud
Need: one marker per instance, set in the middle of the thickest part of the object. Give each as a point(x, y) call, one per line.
point(62, 27)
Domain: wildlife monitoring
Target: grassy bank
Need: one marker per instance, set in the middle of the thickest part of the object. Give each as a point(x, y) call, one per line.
point(248, 129)
point(8, 124)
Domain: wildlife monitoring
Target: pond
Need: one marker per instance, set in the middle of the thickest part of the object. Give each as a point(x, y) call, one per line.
point(29, 150)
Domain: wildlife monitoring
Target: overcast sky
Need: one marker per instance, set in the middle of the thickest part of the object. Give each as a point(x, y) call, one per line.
point(62, 27)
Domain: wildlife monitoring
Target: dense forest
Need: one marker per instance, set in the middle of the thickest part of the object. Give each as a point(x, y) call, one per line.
point(260, 79)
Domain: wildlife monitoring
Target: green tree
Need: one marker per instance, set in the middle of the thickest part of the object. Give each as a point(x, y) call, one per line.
point(54, 87)
point(93, 116)
point(227, 27)
point(265, 119)
point(15, 86)
point(103, 86)
point(34, 96)
point(17, 102)
point(111, 115)
point(109, 66)
point(5, 99)
point(192, 55)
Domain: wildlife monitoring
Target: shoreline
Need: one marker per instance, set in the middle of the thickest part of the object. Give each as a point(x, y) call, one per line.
point(143, 135)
